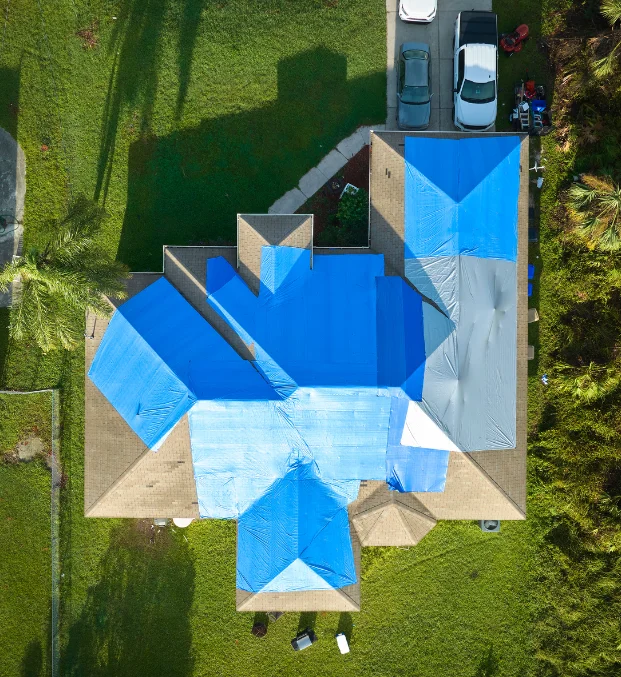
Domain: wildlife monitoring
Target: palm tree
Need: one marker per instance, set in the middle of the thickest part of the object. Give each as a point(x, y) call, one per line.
point(588, 384)
point(611, 11)
point(595, 208)
point(61, 282)
point(603, 68)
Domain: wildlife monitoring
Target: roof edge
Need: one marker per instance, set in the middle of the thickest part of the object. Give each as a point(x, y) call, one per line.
point(490, 480)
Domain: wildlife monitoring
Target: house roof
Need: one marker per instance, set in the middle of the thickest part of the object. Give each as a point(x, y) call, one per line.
point(256, 230)
point(124, 478)
point(382, 516)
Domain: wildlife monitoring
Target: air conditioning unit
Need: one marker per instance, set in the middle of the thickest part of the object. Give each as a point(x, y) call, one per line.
point(489, 526)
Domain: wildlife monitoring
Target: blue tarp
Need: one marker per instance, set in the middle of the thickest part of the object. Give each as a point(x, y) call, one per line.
point(308, 327)
point(159, 356)
point(296, 537)
point(239, 447)
point(412, 468)
point(461, 248)
point(281, 443)
point(461, 197)
point(400, 338)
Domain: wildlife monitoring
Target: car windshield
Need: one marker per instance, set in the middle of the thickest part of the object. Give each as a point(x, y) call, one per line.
point(415, 54)
point(415, 95)
point(478, 92)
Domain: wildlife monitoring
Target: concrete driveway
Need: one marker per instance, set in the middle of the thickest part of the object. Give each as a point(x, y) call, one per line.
point(439, 36)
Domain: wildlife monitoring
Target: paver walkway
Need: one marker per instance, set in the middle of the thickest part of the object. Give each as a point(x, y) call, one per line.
point(314, 179)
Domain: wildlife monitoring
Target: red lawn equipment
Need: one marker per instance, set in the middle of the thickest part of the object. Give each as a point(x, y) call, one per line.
point(513, 42)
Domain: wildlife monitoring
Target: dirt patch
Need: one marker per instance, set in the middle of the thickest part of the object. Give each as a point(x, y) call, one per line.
point(143, 533)
point(324, 203)
point(30, 448)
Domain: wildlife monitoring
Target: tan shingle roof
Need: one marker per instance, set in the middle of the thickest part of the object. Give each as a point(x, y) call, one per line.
point(384, 517)
point(122, 477)
point(256, 230)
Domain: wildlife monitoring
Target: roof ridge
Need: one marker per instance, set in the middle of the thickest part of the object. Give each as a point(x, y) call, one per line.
point(118, 480)
point(369, 512)
point(404, 524)
point(417, 513)
point(492, 482)
point(342, 593)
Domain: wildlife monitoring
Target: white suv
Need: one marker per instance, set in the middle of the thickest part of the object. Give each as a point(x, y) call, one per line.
point(475, 68)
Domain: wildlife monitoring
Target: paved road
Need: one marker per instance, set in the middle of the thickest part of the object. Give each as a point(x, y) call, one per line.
point(12, 191)
point(439, 36)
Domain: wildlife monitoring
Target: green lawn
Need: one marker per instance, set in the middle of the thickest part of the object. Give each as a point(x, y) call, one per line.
point(183, 114)
point(529, 64)
point(25, 575)
point(455, 604)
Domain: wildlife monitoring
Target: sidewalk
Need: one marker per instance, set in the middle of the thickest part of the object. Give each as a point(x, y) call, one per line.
point(314, 179)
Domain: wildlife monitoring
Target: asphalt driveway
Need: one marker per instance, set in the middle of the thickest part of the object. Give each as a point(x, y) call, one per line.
point(439, 36)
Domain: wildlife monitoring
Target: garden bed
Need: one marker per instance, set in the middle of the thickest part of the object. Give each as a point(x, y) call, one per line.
point(324, 204)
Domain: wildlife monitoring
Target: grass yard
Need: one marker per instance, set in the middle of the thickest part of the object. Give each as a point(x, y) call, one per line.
point(530, 63)
point(176, 115)
point(25, 576)
point(455, 604)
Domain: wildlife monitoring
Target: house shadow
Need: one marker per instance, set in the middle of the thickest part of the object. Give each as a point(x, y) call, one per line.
point(135, 620)
point(186, 188)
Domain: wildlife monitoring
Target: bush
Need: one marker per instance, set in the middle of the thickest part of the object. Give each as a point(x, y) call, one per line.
point(353, 211)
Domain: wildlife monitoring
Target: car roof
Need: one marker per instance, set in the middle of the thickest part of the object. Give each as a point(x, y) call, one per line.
point(416, 72)
point(480, 63)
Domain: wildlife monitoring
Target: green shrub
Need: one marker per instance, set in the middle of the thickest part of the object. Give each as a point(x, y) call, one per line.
point(353, 211)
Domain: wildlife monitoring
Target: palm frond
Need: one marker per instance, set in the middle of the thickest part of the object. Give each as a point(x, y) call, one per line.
point(594, 206)
point(611, 11)
point(65, 280)
point(8, 274)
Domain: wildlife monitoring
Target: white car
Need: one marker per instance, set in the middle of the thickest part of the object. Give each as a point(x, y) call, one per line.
point(421, 11)
point(475, 65)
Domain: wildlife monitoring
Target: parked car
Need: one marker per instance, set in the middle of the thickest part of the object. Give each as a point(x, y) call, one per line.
point(475, 67)
point(414, 86)
point(421, 11)
point(303, 640)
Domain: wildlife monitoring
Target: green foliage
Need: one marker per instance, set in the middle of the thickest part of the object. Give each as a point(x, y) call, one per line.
point(353, 210)
point(611, 10)
point(63, 280)
point(595, 207)
point(351, 226)
point(588, 384)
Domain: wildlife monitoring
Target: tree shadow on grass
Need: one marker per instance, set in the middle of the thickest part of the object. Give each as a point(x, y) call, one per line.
point(488, 665)
point(136, 44)
point(32, 662)
point(346, 625)
point(9, 100)
point(187, 187)
point(135, 620)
